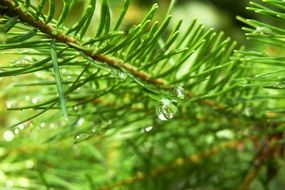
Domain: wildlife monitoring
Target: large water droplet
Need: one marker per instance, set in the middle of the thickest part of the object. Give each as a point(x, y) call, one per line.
point(179, 92)
point(166, 110)
point(8, 136)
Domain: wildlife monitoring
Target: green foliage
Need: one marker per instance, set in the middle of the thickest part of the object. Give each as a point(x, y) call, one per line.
point(144, 108)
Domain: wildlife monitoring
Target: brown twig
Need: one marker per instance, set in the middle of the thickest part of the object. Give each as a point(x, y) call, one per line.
point(180, 162)
point(270, 150)
point(12, 10)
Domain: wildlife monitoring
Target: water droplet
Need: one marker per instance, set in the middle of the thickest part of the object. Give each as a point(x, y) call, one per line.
point(8, 136)
point(52, 126)
point(75, 108)
point(80, 121)
point(81, 137)
point(10, 104)
point(17, 131)
point(148, 129)
point(94, 130)
point(21, 126)
point(27, 98)
point(38, 74)
point(120, 75)
point(248, 112)
point(9, 184)
point(29, 164)
point(226, 133)
point(166, 110)
point(179, 92)
point(263, 31)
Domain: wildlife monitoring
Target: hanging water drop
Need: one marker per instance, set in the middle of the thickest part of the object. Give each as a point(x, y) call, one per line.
point(21, 126)
point(16, 131)
point(166, 110)
point(8, 136)
point(179, 92)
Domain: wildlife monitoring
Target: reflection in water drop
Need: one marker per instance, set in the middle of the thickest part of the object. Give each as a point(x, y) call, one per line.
point(8, 136)
point(166, 110)
point(179, 92)
point(148, 129)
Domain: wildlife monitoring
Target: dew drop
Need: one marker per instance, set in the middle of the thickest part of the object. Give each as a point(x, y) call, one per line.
point(120, 75)
point(179, 92)
point(42, 125)
point(8, 136)
point(75, 108)
point(29, 164)
point(148, 129)
point(17, 131)
point(27, 98)
point(52, 126)
point(35, 100)
point(166, 110)
point(80, 121)
point(9, 184)
point(21, 126)
point(81, 137)
point(263, 31)
point(94, 130)
point(10, 104)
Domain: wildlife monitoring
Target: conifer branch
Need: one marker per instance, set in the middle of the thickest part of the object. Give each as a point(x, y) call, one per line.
point(11, 10)
point(59, 36)
point(178, 163)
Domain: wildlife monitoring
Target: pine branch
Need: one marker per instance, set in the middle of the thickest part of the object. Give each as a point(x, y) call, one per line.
point(178, 163)
point(54, 33)
point(73, 43)
point(119, 88)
